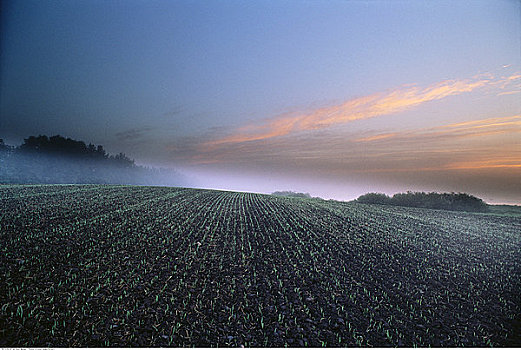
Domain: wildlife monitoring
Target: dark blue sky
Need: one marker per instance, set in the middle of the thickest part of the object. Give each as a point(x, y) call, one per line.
point(328, 97)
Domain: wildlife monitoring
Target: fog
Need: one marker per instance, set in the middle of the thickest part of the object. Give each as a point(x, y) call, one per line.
point(59, 160)
point(24, 168)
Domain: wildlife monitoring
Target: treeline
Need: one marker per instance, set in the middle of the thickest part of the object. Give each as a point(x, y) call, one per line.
point(58, 159)
point(432, 200)
point(291, 194)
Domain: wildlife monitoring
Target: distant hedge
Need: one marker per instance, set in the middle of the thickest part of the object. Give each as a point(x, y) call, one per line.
point(432, 200)
point(291, 194)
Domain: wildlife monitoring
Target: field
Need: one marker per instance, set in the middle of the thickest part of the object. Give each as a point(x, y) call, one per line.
point(149, 266)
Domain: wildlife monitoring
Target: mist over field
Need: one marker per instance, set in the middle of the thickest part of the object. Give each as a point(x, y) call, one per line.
point(59, 160)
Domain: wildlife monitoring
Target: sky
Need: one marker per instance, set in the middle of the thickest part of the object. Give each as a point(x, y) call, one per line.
point(334, 98)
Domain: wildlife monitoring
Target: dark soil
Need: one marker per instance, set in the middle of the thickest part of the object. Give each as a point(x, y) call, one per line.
point(95, 266)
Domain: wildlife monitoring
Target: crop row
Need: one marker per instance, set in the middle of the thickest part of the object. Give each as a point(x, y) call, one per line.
point(150, 266)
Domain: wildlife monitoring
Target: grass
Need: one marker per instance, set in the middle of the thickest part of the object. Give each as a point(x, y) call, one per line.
point(100, 265)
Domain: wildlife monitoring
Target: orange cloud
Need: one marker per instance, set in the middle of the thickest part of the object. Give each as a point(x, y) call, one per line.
point(473, 128)
point(441, 146)
point(376, 137)
point(509, 92)
point(486, 164)
point(355, 109)
point(485, 122)
point(489, 143)
point(514, 77)
point(483, 127)
point(488, 146)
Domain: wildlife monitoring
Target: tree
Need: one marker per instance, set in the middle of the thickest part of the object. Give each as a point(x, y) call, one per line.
point(374, 198)
point(432, 200)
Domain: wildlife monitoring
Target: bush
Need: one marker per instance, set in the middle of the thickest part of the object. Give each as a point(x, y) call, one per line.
point(291, 194)
point(432, 200)
point(374, 198)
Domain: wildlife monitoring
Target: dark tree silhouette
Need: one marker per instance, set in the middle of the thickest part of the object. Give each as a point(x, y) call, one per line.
point(58, 145)
point(291, 194)
point(432, 200)
point(3, 147)
point(374, 198)
point(56, 159)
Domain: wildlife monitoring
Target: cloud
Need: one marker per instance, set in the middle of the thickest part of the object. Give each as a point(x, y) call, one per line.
point(486, 164)
point(478, 155)
point(375, 105)
point(175, 111)
point(132, 134)
point(376, 137)
point(473, 128)
point(476, 144)
point(485, 123)
point(509, 92)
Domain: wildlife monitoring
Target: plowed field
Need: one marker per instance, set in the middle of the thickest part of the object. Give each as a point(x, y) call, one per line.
point(149, 266)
